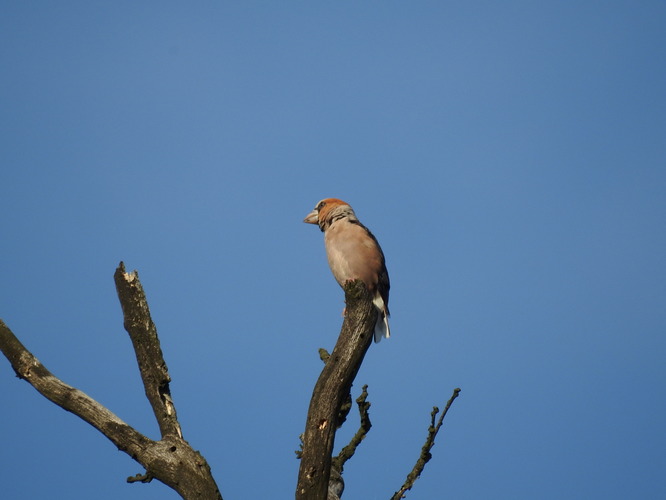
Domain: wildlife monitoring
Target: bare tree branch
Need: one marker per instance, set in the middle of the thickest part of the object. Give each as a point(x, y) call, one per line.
point(170, 460)
point(30, 369)
point(143, 333)
point(336, 484)
point(346, 406)
point(348, 451)
point(425, 455)
point(332, 387)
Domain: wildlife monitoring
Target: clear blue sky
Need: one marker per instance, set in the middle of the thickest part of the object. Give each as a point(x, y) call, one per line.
point(509, 156)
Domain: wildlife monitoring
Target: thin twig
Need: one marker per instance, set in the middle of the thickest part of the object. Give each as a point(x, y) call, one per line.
point(348, 451)
point(425, 455)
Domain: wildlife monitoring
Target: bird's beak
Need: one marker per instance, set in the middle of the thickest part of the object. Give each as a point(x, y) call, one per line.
point(312, 218)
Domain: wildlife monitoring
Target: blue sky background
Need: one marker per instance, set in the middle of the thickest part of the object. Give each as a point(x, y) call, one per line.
point(509, 156)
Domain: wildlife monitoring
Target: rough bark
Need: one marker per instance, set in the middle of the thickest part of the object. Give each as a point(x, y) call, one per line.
point(143, 333)
point(330, 391)
point(171, 460)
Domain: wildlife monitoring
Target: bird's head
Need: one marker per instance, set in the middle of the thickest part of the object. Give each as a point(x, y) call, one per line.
point(328, 211)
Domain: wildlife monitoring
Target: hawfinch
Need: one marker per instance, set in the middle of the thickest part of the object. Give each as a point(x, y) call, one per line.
point(354, 253)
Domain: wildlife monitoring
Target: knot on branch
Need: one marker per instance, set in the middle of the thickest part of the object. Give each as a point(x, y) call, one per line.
point(141, 478)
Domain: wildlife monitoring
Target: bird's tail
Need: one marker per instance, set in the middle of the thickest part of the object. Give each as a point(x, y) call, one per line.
point(382, 326)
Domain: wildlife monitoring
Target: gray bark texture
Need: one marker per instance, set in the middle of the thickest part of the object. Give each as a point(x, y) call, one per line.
point(170, 460)
point(330, 391)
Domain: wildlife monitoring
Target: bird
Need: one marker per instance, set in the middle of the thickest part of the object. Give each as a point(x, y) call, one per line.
point(354, 253)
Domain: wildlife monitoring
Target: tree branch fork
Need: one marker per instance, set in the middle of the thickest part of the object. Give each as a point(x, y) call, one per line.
point(171, 459)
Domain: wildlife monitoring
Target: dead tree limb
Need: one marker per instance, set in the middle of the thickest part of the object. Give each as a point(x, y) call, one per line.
point(143, 333)
point(425, 455)
point(364, 413)
point(331, 389)
point(171, 460)
point(336, 484)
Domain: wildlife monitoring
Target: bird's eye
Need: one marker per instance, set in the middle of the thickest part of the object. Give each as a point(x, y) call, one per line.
point(320, 206)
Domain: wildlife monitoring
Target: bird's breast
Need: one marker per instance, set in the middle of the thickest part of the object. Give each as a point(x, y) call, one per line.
point(352, 254)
